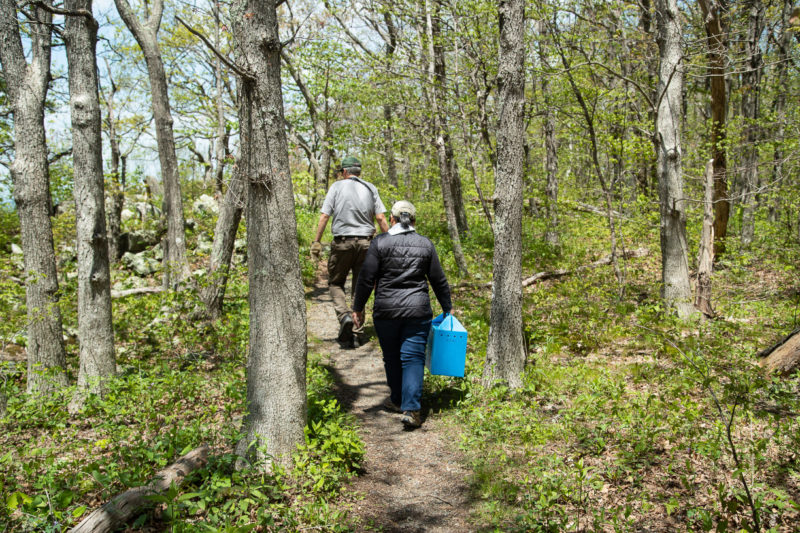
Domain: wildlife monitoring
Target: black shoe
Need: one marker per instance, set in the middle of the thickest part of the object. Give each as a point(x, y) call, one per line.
point(346, 330)
point(347, 345)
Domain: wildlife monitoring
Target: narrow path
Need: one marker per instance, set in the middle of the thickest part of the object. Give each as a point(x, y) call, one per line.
point(413, 480)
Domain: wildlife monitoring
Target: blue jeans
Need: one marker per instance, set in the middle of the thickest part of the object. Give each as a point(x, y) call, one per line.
point(403, 344)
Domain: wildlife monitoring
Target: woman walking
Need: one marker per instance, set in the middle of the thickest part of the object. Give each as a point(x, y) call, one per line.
point(399, 265)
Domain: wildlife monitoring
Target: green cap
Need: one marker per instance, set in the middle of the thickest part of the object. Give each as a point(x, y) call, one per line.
point(350, 162)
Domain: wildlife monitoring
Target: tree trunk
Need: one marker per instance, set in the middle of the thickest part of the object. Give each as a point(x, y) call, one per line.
point(27, 86)
point(551, 164)
point(388, 109)
point(705, 261)
point(448, 167)
point(124, 507)
point(117, 180)
point(388, 143)
point(221, 142)
point(176, 268)
point(276, 377)
point(716, 28)
point(224, 238)
point(95, 331)
point(441, 137)
point(505, 350)
point(676, 288)
point(751, 103)
point(782, 84)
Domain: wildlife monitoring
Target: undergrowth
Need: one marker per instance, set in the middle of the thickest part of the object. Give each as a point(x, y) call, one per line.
point(628, 419)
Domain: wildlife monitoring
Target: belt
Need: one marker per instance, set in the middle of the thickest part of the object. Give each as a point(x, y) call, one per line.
point(351, 238)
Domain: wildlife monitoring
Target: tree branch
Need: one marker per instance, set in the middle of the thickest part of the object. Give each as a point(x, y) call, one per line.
point(228, 63)
point(65, 12)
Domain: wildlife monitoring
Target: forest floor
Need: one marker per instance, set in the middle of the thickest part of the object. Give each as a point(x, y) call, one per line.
point(411, 481)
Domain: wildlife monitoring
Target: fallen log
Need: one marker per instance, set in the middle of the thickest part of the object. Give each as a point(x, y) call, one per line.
point(134, 292)
point(783, 357)
point(554, 274)
point(125, 506)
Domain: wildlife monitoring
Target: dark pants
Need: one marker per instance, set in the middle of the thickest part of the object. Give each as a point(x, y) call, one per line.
point(346, 256)
point(403, 344)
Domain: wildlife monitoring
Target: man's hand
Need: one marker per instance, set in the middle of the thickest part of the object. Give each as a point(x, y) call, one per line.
point(358, 319)
point(316, 248)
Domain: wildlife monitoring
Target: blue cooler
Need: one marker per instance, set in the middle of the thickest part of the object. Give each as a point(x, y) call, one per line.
point(446, 353)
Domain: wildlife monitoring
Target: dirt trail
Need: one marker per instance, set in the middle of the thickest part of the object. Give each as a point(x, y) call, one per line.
point(412, 480)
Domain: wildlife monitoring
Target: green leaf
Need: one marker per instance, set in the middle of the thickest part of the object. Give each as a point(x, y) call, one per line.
point(78, 511)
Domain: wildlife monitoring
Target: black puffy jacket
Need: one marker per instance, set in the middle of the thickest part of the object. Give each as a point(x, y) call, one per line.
point(399, 268)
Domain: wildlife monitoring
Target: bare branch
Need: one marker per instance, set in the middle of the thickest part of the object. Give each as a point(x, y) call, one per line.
point(65, 12)
point(230, 64)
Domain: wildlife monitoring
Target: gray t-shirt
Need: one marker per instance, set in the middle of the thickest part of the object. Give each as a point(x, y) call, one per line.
point(352, 203)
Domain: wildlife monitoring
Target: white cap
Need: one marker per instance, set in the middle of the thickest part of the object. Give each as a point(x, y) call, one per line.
point(404, 206)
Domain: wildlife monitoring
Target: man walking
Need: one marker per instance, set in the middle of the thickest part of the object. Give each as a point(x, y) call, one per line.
point(353, 204)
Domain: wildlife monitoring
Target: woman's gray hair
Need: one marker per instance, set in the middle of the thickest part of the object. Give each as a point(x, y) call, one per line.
point(406, 220)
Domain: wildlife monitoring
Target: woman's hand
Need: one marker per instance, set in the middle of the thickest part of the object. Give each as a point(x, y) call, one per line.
point(358, 319)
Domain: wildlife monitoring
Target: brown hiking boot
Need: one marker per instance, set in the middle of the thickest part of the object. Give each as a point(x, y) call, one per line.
point(389, 405)
point(411, 419)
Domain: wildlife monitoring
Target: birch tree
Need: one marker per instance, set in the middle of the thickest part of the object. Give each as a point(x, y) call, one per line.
point(505, 350)
point(27, 85)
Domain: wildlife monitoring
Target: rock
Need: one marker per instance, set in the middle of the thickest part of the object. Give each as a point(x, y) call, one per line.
point(189, 224)
point(205, 204)
point(146, 210)
point(139, 241)
point(126, 214)
point(141, 265)
point(16, 249)
point(240, 245)
point(133, 282)
point(158, 252)
point(204, 246)
point(239, 259)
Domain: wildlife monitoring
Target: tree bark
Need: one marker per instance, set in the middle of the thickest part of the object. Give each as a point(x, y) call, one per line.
point(388, 109)
point(751, 110)
point(705, 261)
point(117, 192)
point(222, 136)
point(505, 350)
point(95, 331)
point(676, 288)
point(276, 377)
point(782, 84)
point(133, 501)
point(176, 267)
point(717, 31)
point(222, 249)
point(551, 165)
point(451, 195)
point(27, 86)
point(448, 167)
